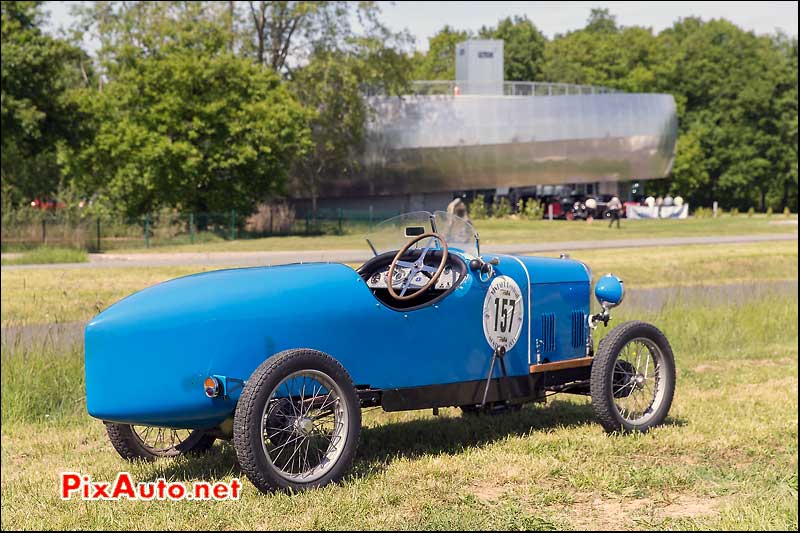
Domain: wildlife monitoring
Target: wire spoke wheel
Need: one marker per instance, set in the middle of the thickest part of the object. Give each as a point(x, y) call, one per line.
point(304, 425)
point(152, 442)
point(632, 379)
point(159, 439)
point(297, 422)
point(636, 380)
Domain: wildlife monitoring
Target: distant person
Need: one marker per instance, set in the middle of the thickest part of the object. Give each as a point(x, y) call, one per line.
point(591, 209)
point(659, 203)
point(458, 208)
point(613, 207)
point(679, 205)
point(668, 201)
point(456, 91)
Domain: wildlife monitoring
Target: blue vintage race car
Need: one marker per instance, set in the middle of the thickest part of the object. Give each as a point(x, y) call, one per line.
point(282, 359)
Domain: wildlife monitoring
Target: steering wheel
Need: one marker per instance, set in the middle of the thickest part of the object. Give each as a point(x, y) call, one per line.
point(417, 267)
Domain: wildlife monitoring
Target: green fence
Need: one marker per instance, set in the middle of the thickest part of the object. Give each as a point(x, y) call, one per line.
point(29, 228)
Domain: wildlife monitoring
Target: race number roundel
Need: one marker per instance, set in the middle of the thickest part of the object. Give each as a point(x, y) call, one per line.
point(503, 313)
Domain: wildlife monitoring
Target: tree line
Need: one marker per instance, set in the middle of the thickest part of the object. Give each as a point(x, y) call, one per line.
point(211, 106)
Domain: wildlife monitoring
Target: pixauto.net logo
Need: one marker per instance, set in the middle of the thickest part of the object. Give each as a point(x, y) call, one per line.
point(73, 484)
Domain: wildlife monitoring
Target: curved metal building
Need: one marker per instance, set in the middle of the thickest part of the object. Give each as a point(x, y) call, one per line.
point(480, 132)
point(420, 144)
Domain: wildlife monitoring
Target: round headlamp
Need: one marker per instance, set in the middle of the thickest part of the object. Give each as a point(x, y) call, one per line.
point(609, 291)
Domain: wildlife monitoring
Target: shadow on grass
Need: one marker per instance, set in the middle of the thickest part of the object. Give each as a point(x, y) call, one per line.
point(218, 463)
point(452, 435)
point(381, 445)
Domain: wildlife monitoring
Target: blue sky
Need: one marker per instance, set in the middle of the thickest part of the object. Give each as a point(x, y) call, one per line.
point(423, 19)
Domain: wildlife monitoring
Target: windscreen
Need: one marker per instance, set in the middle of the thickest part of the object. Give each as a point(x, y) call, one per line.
point(458, 233)
point(394, 233)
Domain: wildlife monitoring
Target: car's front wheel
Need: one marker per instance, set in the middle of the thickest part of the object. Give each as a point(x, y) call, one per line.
point(633, 378)
point(297, 422)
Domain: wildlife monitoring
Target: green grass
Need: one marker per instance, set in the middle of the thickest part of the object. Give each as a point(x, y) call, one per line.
point(64, 295)
point(48, 255)
point(504, 231)
point(725, 459)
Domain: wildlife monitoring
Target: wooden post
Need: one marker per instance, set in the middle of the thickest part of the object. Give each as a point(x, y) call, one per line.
point(191, 228)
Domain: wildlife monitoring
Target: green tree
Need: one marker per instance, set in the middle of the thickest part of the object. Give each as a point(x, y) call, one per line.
point(180, 121)
point(736, 95)
point(275, 25)
point(628, 59)
point(737, 88)
point(523, 49)
point(332, 87)
point(784, 190)
point(438, 63)
point(690, 178)
point(284, 34)
point(258, 133)
point(37, 71)
point(131, 31)
point(601, 21)
point(345, 64)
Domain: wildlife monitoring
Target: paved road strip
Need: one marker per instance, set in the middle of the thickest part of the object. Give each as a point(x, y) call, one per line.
point(357, 256)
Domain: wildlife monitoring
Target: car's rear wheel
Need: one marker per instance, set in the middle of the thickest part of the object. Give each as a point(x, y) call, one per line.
point(633, 378)
point(297, 422)
point(150, 442)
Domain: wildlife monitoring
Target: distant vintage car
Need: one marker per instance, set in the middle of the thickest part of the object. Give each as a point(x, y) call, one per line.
point(282, 359)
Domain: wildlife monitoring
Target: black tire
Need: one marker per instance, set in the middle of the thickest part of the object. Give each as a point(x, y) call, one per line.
point(608, 387)
point(131, 446)
point(248, 439)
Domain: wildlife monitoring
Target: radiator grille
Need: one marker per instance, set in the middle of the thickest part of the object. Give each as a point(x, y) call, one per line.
point(578, 329)
point(548, 332)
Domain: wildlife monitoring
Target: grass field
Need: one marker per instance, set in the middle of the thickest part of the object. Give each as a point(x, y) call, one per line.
point(47, 255)
point(727, 457)
point(501, 231)
point(64, 295)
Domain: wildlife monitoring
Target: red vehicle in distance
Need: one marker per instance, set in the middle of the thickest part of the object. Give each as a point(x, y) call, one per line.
point(47, 204)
